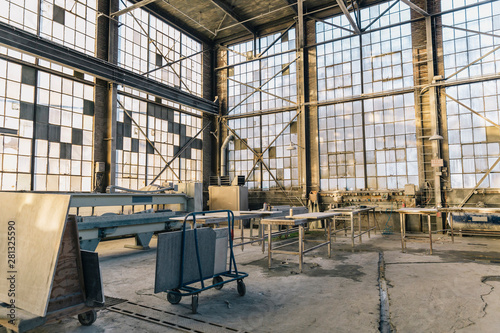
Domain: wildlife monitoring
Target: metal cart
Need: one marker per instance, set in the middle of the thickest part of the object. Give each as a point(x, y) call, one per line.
point(166, 254)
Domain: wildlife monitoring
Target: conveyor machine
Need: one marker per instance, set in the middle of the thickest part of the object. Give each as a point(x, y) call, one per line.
point(111, 215)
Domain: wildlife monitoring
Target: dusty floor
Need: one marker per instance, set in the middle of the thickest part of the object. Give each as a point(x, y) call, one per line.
point(457, 289)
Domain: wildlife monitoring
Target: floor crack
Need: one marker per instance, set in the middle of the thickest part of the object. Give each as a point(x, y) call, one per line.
point(484, 280)
point(385, 322)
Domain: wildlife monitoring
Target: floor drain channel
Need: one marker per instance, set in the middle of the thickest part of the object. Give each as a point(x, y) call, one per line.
point(385, 323)
point(168, 319)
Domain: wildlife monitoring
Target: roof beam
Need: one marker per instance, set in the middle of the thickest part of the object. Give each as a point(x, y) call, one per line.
point(230, 12)
point(348, 15)
point(43, 48)
point(293, 5)
point(415, 7)
point(132, 7)
point(176, 22)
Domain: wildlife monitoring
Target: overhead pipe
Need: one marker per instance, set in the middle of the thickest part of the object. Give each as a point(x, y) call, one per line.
point(223, 160)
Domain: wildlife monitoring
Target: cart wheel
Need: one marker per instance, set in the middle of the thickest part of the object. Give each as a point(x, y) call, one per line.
point(242, 290)
point(194, 303)
point(174, 298)
point(87, 318)
point(218, 279)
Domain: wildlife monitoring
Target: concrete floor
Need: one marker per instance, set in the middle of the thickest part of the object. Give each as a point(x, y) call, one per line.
point(456, 289)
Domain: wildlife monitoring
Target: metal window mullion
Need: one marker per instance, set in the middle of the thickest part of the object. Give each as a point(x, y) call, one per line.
point(181, 150)
point(382, 14)
point(262, 91)
point(260, 122)
point(332, 24)
point(363, 124)
point(276, 40)
point(262, 85)
point(157, 48)
point(146, 136)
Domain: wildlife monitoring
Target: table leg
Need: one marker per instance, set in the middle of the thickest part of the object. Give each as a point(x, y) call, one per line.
point(334, 220)
point(262, 235)
point(452, 231)
point(269, 245)
point(251, 229)
point(430, 231)
point(352, 230)
point(368, 220)
point(329, 237)
point(374, 221)
point(359, 227)
point(301, 246)
point(242, 237)
point(402, 222)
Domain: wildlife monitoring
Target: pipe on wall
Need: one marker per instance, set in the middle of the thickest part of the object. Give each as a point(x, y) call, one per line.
point(223, 160)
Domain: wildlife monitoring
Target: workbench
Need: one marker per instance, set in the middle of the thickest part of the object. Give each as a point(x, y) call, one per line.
point(214, 219)
point(416, 211)
point(349, 213)
point(300, 221)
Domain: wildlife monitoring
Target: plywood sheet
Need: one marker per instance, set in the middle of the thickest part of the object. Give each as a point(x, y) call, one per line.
point(39, 225)
point(168, 258)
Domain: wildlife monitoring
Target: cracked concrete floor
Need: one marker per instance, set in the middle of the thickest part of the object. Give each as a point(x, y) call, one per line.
point(454, 290)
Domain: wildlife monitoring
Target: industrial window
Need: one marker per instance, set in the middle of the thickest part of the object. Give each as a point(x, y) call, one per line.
point(241, 97)
point(383, 57)
point(259, 133)
point(341, 146)
point(146, 43)
point(387, 149)
point(473, 141)
point(137, 161)
point(382, 155)
point(58, 125)
point(21, 14)
point(70, 23)
point(63, 135)
point(274, 74)
point(387, 59)
point(461, 48)
point(16, 116)
point(390, 141)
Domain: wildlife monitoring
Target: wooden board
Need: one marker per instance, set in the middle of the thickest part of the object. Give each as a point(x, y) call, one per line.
point(168, 258)
point(39, 225)
point(283, 221)
point(314, 216)
point(417, 210)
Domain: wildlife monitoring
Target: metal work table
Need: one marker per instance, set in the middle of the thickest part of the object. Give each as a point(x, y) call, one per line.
point(431, 211)
point(349, 212)
point(300, 221)
point(416, 211)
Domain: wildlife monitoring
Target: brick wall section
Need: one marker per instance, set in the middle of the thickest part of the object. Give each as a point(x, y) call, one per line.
point(101, 90)
point(312, 95)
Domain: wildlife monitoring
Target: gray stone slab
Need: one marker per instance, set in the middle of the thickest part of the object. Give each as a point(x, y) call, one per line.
point(221, 243)
point(168, 258)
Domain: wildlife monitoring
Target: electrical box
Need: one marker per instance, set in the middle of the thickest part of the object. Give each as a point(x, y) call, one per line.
point(228, 197)
point(409, 189)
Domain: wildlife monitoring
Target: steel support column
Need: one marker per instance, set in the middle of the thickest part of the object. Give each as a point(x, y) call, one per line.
point(436, 144)
point(303, 133)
